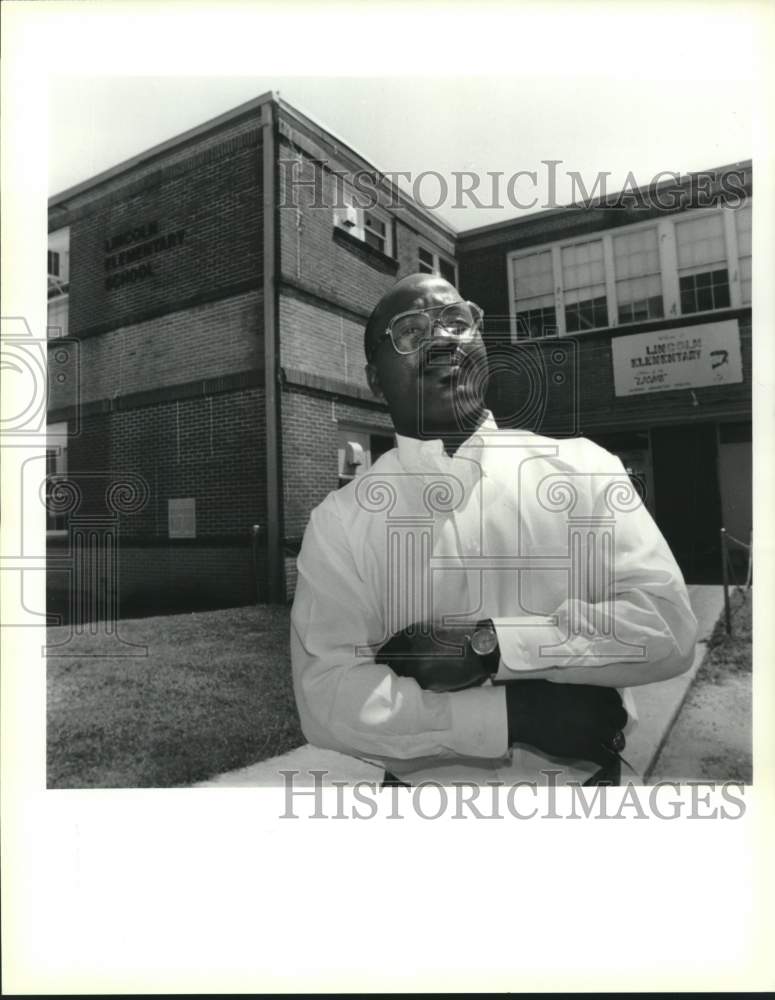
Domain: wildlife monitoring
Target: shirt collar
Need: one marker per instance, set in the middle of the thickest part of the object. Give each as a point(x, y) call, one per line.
point(421, 456)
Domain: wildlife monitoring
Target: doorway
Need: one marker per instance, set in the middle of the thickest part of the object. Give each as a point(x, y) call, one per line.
point(687, 500)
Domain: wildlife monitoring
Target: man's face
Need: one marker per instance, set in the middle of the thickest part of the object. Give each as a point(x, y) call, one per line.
point(439, 388)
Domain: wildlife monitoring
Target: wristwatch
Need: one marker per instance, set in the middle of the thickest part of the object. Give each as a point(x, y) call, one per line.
point(484, 642)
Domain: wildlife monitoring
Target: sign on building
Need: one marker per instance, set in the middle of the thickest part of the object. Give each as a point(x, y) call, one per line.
point(687, 358)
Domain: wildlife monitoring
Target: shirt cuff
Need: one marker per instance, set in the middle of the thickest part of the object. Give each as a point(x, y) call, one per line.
point(520, 641)
point(479, 722)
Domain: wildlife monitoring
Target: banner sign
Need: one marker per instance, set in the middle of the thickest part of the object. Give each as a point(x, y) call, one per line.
point(687, 358)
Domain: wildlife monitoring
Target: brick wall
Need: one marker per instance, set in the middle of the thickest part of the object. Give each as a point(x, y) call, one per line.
point(211, 448)
point(310, 442)
point(217, 338)
point(153, 580)
point(323, 341)
point(339, 272)
point(209, 204)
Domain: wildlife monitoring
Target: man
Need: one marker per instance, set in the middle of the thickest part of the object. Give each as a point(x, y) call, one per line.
point(467, 608)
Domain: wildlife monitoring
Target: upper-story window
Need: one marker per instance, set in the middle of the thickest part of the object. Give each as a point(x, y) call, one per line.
point(695, 262)
point(429, 262)
point(638, 276)
point(370, 226)
point(583, 281)
point(703, 277)
point(743, 227)
point(533, 291)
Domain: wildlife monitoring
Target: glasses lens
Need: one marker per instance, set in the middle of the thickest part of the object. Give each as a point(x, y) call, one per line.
point(458, 319)
point(409, 332)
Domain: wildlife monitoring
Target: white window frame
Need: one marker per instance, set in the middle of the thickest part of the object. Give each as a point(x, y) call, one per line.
point(357, 225)
point(668, 259)
point(436, 258)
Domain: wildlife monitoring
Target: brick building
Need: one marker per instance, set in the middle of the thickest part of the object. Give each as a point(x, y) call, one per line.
point(628, 321)
point(206, 388)
point(206, 309)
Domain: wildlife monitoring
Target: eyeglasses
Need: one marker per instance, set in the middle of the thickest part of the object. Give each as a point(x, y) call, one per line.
point(409, 331)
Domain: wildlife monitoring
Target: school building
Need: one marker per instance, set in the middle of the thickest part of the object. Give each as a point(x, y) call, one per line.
point(207, 301)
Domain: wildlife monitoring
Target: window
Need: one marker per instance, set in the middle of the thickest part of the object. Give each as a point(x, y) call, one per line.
point(632, 274)
point(447, 271)
point(638, 277)
point(703, 278)
point(743, 226)
point(56, 469)
point(533, 291)
point(364, 225)
point(53, 263)
point(375, 231)
point(429, 262)
point(425, 261)
point(583, 279)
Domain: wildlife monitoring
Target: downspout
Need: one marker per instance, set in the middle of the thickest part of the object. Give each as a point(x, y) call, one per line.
point(275, 549)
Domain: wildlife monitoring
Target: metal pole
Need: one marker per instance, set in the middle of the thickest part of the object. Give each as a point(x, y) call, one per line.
point(725, 580)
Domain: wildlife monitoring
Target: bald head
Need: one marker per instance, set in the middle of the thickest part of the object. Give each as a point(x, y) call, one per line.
point(415, 291)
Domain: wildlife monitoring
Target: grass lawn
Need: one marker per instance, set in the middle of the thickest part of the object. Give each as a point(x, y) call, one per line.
point(213, 693)
point(730, 654)
point(711, 738)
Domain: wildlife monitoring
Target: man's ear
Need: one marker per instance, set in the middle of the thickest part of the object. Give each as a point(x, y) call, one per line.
point(373, 379)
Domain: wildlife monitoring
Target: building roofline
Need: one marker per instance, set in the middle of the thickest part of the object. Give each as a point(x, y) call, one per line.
point(248, 107)
point(548, 213)
point(325, 132)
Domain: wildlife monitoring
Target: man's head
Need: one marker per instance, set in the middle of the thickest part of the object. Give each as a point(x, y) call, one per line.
point(426, 358)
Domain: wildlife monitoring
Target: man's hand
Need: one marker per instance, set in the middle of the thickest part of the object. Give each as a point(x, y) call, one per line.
point(564, 720)
point(442, 661)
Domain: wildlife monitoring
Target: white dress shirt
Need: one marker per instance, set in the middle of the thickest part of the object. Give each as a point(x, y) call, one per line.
point(546, 537)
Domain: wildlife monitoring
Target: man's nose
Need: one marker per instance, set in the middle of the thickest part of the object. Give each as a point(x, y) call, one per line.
point(442, 334)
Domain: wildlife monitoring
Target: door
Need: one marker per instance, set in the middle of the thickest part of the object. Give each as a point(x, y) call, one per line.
point(687, 500)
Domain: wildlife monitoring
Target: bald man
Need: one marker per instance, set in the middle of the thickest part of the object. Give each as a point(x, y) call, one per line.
point(440, 627)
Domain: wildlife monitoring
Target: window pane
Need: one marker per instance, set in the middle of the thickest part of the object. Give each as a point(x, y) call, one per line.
point(700, 242)
point(447, 270)
point(541, 322)
point(700, 292)
point(586, 315)
point(425, 260)
point(374, 240)
point(533, 276)
point(372, 222)
point(743, 224)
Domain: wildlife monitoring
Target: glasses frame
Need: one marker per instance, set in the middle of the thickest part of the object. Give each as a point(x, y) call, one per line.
point(478, 318)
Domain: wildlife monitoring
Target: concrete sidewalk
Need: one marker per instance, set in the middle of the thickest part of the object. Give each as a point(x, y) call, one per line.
point(657, 704)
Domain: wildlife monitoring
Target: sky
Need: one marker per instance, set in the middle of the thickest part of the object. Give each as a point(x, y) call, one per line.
point(484, 124)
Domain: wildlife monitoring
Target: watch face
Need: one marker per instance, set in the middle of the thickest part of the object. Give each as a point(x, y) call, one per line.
point(484, 641)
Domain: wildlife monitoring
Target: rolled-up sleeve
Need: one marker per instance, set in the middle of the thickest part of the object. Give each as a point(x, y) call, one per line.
point(634, 625)
point(346, 701)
